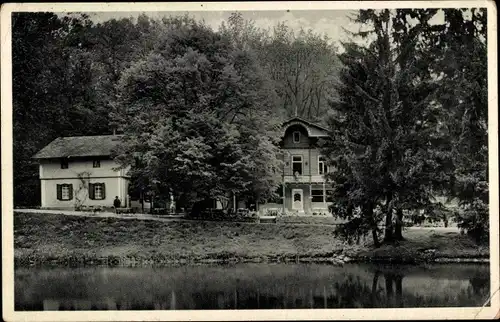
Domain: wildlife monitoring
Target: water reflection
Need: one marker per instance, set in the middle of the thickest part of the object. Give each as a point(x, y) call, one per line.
point(256, 286)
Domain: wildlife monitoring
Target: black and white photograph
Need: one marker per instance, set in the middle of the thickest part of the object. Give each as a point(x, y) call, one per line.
point(251, 160)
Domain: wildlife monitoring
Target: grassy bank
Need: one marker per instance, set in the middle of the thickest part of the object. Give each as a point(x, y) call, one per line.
point(59, 239)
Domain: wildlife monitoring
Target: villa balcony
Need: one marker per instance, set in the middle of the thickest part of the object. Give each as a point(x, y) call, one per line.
point(304, 179)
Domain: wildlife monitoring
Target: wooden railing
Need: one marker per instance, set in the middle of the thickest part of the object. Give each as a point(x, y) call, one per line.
point(303, 178)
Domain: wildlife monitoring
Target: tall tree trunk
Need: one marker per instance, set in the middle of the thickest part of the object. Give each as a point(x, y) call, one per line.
point(388, 237)
point(376, 243)
point(369, 214)
point(398, 228)
point(180, 202)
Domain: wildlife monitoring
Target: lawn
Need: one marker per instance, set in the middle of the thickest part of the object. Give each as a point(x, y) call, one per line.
point(58, 238)
point(423, 244)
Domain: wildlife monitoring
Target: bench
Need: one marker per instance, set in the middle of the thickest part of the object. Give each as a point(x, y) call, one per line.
point(271, 219)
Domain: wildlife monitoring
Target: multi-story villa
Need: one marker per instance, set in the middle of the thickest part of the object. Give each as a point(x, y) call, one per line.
point(303, 189)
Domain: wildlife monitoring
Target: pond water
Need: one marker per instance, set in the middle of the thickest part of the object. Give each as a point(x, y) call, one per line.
point(251, 286)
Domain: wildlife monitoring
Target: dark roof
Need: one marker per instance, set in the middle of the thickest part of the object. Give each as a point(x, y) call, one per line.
point(79, 146)
point(313, 129)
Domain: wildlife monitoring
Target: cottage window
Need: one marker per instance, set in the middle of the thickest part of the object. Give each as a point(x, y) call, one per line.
point(296, 137)
point(317, 196)
point(96, 164)
point(297, 164)
point(64, 163)
point(97, 191)
point(322, 167)
point(64, 192)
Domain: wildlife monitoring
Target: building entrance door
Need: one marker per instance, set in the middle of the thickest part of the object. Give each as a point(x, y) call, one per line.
point(298, 199)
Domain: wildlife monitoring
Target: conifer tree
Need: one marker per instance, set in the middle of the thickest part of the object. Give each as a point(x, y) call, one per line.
point(460, 58)
point(385, 127)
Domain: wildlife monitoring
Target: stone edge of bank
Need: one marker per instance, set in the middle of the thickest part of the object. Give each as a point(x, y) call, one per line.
point(81, 260)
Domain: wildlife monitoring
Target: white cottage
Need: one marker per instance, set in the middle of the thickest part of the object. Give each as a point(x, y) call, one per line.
point(78, 171)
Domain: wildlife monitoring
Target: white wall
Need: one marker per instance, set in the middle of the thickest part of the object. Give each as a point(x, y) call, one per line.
point(51, 175)
point(52, 169)
point(80, 192)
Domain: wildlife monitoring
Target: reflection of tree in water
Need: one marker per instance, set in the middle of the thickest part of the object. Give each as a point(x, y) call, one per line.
point(480, 285)
point(390, 293)
point(384, 290)
point(382, 287)
point(474, 295)
point(350, 293)
point(389, 296)
point(396, 280)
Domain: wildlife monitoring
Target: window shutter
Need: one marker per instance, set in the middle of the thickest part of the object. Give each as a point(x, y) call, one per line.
point(70, 191)
point(91, 191)
point(59, 192)
point(103, 190)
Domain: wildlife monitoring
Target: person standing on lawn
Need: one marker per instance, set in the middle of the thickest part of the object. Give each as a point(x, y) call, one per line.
point(117, 203)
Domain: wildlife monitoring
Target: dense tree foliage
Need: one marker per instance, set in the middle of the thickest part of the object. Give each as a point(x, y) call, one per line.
point(460, 58)
point(52, 91)
point(200, 113)
point(77, 91)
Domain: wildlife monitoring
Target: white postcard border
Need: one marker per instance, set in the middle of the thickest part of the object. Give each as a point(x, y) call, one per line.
point(223, 315)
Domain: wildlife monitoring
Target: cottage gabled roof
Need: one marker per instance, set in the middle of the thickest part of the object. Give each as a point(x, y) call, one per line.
point(79, 146)
point(313, 129)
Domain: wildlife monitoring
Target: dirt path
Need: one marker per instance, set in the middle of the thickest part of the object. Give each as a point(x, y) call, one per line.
point(101, 214)
point(181, 218)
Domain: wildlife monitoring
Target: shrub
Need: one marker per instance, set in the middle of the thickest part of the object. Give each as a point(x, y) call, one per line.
point(474, 223)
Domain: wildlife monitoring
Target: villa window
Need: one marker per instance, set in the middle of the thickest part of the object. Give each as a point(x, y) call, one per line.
point(64, 192)
point(96, 164)
point(322, 167)
point(97, 191)
point(296, 137)
point(64, 163)
point(297, 164)
point(317, 196)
